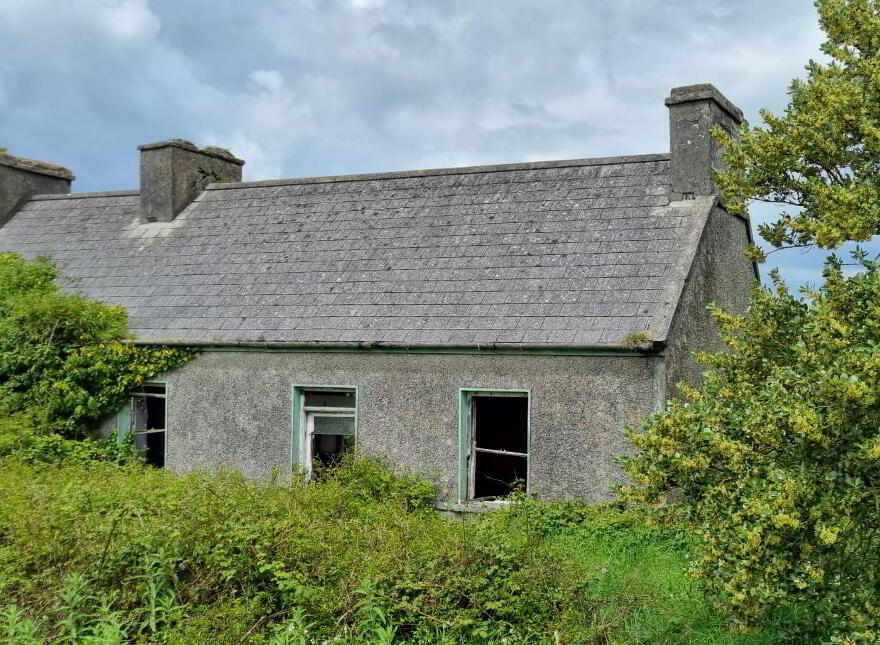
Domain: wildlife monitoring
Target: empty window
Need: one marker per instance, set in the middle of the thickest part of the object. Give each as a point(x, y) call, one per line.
point(329, 421)
point(499, 444)
point(148, 422)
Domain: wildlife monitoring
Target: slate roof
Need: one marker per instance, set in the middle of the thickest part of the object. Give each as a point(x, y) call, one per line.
point(572, 253)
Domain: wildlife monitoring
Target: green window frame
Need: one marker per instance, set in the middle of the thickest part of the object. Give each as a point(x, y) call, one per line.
point(303, 426)
point(466, 457)
point(127, 416)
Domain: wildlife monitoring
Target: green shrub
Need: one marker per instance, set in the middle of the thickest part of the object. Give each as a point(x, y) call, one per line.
point(133, 553)
point(22, 436)
point(780, 456)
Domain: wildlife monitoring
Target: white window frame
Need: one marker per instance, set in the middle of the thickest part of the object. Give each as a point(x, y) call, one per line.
point(304, 416)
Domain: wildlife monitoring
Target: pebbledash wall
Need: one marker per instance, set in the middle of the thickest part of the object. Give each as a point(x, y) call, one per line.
point(233, 409)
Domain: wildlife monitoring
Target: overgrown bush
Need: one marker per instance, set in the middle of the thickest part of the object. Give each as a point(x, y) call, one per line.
point(779, 455)
point(22, 436)
point(63, 358)
point(103, 553)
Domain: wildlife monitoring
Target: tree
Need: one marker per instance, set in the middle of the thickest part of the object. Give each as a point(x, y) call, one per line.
point(822, 158)
point(778, 455)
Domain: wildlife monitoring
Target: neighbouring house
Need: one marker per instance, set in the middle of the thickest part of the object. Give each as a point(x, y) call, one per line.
point(491, 326)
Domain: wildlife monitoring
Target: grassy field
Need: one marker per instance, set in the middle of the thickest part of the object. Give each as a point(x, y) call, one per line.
point(102, 553)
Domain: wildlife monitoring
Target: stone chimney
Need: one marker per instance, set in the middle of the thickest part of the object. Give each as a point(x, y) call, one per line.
point(22, 178)
point(174, 172)
point(693, 111)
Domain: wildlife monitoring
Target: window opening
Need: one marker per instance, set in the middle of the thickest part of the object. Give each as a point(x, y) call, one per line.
point(499, 445)
point(148, 421)
point(330, 421)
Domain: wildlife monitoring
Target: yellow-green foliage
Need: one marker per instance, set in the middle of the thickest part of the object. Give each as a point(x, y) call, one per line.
point(820, 157)
point(62, 357)
point(101, 553)
point(779, 454)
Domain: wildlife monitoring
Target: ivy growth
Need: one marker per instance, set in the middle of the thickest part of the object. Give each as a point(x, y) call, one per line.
point(64, 359)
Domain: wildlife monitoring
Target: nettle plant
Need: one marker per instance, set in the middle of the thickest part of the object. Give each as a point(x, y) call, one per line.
point(65, 361)
point(779, 457)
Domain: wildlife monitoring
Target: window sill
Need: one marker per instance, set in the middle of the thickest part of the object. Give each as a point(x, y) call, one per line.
point(472, 506)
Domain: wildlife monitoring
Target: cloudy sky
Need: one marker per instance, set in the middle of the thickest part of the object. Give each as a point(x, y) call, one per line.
point(318, 87)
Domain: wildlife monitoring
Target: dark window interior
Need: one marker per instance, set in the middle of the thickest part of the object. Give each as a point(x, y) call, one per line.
point(327, 449)
point(155, 449)
point(155, 413)
point(149, 412)
point(500, 423)
point(148, 423)
point(326, 399)
point(151, 389)
point(498, 475)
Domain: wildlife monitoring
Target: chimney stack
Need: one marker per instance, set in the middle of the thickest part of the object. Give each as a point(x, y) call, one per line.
point(693, 111)
point(22, 178)
point(174, 172)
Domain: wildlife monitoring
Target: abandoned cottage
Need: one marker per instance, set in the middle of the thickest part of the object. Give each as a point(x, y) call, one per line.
point(492, 326)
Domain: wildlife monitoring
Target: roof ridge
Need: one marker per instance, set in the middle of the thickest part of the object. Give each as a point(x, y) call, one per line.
point(458, 170)
point(106, 193)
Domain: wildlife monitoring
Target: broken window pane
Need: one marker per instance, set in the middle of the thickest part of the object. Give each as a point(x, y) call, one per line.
point(150, 389)
point(499, 444)
point(497, 475)
point(148, 413)
point(328, 449)
point(148, 423)
point(501, 423)
point(151, 445)
point(329, 426)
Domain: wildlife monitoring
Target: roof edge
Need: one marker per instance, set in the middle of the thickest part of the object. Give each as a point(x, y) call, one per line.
point(640, 349)
point(701, 207)
point(460, 170)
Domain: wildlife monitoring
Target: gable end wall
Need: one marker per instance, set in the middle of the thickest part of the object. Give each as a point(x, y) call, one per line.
point(720, 274)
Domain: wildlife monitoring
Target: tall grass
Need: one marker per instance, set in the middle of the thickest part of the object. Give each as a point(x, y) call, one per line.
point(103, 553)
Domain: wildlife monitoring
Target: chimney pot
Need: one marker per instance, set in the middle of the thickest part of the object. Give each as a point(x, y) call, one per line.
point(693, 111)
point(174, 172)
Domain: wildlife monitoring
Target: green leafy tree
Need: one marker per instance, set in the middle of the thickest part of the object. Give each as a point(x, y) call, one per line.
point(63, 358)
point(778, 454)
point(779, 457)
point(821, 159)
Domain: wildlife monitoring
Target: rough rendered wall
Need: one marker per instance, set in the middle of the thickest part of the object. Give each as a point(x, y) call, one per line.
point(720, 274)
point(233, 409)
